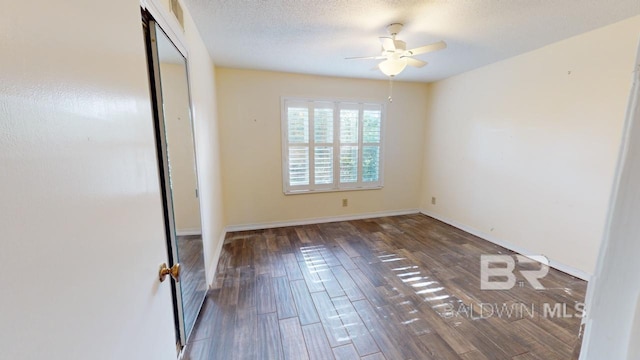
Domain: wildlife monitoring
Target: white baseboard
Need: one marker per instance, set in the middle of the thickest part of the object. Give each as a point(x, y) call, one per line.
point(187, 232)
point(505, 244)
point(320, 220)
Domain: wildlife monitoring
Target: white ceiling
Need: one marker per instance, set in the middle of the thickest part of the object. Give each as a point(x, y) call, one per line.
point(314, 36)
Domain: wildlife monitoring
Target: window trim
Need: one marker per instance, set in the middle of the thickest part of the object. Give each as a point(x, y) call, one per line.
point(336, 186)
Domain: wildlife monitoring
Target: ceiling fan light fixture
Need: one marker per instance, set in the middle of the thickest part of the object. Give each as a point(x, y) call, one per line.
point(392, 67)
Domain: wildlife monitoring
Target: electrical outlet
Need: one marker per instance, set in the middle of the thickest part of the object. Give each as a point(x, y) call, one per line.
point(345, 202)
point(433, 200)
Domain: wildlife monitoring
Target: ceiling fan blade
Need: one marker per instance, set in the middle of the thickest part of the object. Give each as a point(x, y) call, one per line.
point(414, 62)
point(378, 57)
point(388, 44)
point(425, 49)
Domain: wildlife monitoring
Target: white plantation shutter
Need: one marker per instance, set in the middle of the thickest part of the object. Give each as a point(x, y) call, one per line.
point(348, 164)
point(299, 165)
point(349, 120)
point(370, 163)
point(298, 144)
point(331, 145)
point(323, 144)
point(371, 132)
point(298, 125)
point(323, 157)
point(323, 124)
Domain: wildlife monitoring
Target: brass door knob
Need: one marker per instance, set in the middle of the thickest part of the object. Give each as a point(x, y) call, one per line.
point(174, 271)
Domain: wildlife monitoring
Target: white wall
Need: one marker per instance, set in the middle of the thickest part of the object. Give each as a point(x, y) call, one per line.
point(202, 79)
point(81, 213)
point(249, 112)
point(206, 129)
point(523, 151)
point(613, 322)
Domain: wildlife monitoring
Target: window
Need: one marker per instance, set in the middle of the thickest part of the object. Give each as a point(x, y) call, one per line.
point(331, 145)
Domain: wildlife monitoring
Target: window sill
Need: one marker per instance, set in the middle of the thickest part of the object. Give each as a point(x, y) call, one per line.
point(298, 192)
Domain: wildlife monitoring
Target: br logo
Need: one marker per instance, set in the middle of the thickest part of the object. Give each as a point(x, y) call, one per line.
point(503, 278)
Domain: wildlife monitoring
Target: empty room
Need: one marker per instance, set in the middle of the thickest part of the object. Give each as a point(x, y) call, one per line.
point(207, 179)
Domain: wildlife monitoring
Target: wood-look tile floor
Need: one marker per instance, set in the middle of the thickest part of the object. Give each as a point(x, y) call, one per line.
point(404, 287)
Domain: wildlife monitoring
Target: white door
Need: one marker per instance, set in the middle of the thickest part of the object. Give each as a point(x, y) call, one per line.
point(81, 224)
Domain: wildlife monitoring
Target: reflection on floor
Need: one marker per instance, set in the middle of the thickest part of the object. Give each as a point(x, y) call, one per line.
point(193, 282)
point(405, 287)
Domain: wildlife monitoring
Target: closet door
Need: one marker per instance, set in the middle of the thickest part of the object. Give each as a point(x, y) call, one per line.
point(177, 161)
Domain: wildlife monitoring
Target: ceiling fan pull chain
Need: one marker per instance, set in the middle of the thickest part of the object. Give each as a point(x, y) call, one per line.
point(390, 88)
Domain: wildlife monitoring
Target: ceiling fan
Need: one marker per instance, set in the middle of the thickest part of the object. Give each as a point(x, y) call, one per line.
point(395, 54)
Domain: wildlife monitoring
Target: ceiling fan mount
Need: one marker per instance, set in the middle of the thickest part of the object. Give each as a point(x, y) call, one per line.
point(395, 55)
point(394, 29)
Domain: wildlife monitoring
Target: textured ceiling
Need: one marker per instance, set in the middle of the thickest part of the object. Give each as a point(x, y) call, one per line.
point(314, 36)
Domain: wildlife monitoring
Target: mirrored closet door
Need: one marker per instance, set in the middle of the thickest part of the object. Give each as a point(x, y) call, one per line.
point(176, 153)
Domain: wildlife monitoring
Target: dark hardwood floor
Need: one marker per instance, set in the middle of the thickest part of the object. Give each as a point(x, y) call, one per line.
point(405, 287)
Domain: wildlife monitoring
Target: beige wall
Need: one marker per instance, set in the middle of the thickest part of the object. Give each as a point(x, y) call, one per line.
point(523, 151)
point(249, 112)
point(180, 146)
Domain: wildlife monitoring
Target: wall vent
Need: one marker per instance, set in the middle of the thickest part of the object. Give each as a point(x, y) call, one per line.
point(176, 9)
